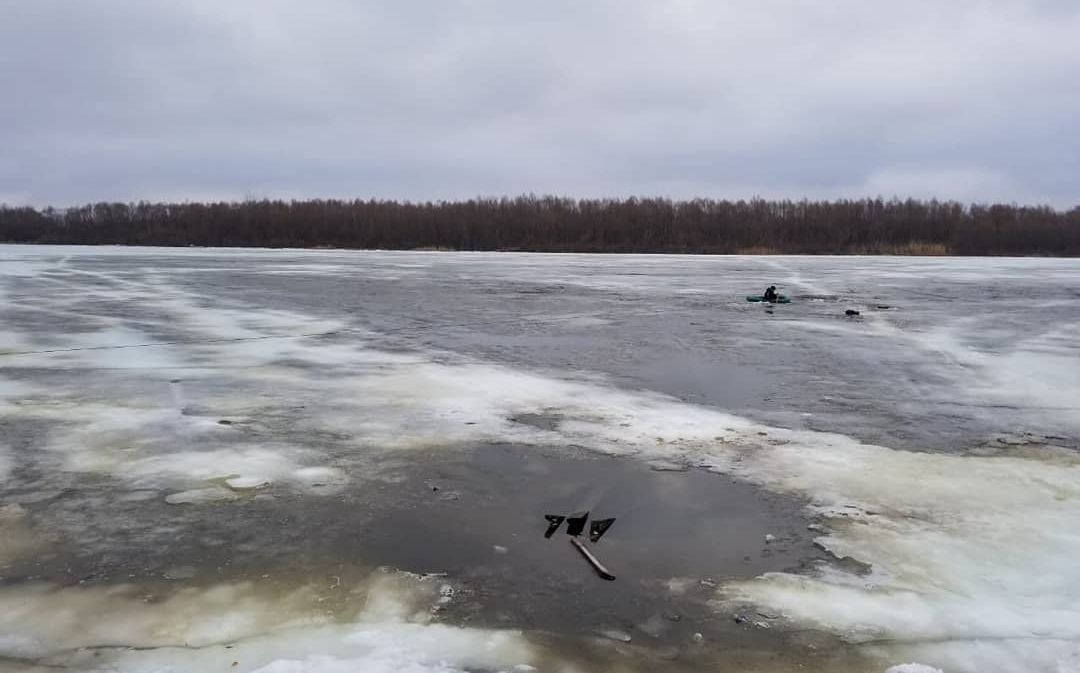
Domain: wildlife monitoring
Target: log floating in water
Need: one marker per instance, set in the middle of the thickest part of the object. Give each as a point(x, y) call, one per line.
point(593, 561)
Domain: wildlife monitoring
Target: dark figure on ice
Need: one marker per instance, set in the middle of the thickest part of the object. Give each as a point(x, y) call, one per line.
point(770, 295)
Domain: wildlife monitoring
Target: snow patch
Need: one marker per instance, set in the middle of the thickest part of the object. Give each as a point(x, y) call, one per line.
point(247, 483)
point(200, 496)
point(261, 629)
point(141, 446)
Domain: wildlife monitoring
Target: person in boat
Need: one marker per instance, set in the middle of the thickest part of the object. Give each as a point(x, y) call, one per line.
point(770, 295)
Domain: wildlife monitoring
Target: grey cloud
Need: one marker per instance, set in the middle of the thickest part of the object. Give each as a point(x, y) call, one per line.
point(112, 99)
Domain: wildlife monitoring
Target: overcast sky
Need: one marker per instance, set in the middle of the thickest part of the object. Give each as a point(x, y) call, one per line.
point(432, 99)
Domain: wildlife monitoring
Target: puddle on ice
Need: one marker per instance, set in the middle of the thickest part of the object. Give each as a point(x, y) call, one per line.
point(662, 546)
point(214, 559)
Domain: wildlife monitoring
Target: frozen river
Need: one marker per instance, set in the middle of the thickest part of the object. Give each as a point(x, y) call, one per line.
point(284, 461)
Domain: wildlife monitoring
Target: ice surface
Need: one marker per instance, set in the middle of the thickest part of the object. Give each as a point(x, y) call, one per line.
point(972, 554)
point(258, 628)
point(16, 539)
point(963, 548)
point(200, 496)
point(143, 447)
point(247, 483)
point(1021, 654)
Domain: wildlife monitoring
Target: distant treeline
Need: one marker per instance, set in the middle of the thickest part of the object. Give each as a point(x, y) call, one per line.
point(868, 226)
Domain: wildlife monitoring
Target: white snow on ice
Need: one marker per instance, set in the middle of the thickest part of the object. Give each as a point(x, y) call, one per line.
point(913, 668)
point(259, 628)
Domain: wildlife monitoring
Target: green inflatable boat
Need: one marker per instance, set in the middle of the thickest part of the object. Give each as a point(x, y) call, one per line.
point(780, 298)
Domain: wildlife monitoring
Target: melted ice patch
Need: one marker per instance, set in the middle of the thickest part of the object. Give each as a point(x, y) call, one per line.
point(964, 549)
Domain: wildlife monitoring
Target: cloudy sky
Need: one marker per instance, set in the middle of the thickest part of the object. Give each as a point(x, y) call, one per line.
point(431, 99)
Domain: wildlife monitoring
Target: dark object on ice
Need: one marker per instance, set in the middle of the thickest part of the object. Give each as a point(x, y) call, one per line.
point(851, 312)
point(575, 523)
point(598, 527)
point(741, 619)
point(758, 298)
point(603, 572)
point(770, 295)
point(554, 521)
point(884, 306)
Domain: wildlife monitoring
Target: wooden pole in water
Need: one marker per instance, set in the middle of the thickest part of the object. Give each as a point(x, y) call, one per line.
point(593, 561)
